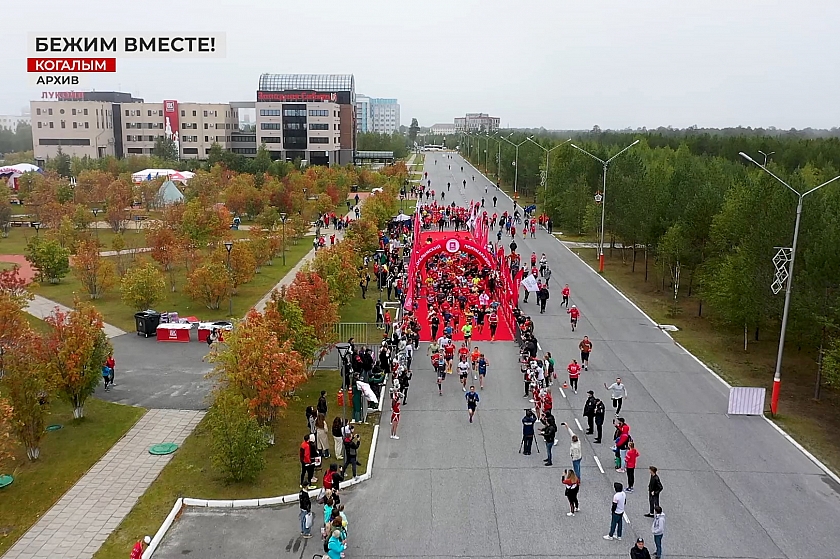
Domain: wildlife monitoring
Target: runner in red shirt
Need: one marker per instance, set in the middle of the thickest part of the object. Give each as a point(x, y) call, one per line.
point(574, 374)
point(449, 353)
point(395, 414)
point(566, 292)
point(493, 320)
point(533, 259)
point(574, 314)
point(140, 547)
point(463, 351)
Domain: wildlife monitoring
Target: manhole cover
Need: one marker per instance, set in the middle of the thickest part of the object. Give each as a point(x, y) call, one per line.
point(6, 480)
point(163, 448)
point(54, 427)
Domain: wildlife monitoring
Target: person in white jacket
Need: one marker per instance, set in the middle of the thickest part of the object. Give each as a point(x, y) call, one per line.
point(658, 530)
point(618, 391)
point(574, 450)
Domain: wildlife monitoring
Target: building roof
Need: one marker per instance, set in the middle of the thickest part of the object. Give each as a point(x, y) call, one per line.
point(307, 82)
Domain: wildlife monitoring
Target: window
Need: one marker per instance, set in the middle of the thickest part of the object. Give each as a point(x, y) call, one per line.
point(127, 112)
point(317, 140)
point(220, 138)
point(85, 112)
point(270, 112)
point(160, 112)
point(270, 126)
point(244, 151)
point(38, 111)
point(39, 122)
point(183, 113)
point(272, 140)
point(294, 112)
point(51, 125)
point(194, 113)
point(62, 122)
point(318, 126)
point(191, 151)
point(227, 126)
point(206, 138)
point(135, 151)
point(149, 112)
point(61, 111)
point(206, 126)
point(319, 112)
point(205, 114)
point(49, 111)
point(129, 138)
point(73, 112)
point(64, 142)
point(293, 126)
point(75, 124)
point(87, 125)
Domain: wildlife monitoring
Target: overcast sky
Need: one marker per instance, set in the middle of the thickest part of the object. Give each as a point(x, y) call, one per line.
point(555, 64)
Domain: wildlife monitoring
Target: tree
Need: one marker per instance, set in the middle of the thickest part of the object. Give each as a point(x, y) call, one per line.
point(49, 258)
point(118, 246)
point(25, 385)
point(7, 441)
point(14, 286)
point(62, 164)
point(117, 204)
point(243, 265)
point(260, 368)
point(166, 248)
point(209, 284)
point(204, 224)
point(364, 235)
point(413, 130)
point(165, 149)
point(260, 246)
point(238, 439)
point(337, 266)
point(95, 273)
point(75, 350)
point(5, 210)
point(312, 295)
point(285, 319)
point(142, 286)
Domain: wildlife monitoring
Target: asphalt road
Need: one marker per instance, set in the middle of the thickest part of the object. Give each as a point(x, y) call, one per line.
point(734, 486)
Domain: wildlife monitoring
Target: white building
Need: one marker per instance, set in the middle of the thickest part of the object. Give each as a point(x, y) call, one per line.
point(363, 114)
point(476, 122)
point(10, 122)
point(443, 129)
point(377, 115)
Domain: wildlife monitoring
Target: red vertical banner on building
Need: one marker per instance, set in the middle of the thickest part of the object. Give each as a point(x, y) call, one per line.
point(172, 123)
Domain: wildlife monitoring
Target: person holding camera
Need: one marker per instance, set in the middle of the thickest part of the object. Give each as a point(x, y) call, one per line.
point(548, 432)
point(351, 449)
point(528, 431)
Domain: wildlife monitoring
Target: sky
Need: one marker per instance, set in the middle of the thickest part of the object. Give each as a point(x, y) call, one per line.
point(556, 64)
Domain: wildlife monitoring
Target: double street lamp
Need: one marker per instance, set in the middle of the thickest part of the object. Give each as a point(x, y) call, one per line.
point(343, 349)
point(229, 246)
point(777, 375)
point(603, 197)
point(547, 152)
point(516, 165)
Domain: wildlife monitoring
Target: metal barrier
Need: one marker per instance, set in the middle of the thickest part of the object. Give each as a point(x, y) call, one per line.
point(364, 333)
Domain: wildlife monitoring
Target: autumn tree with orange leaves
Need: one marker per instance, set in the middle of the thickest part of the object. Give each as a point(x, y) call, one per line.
point(312, 295)
point(166, 249)
point(75, 350)
point(7, 440)
point(260, 368)
point(26, 386)
point(96, 273)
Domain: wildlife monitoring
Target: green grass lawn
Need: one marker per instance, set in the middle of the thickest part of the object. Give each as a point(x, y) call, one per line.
point(190, 474)
point(37, 324)
point(361, 310)
point(20, 236)
point(66, 455)
point(118, 314)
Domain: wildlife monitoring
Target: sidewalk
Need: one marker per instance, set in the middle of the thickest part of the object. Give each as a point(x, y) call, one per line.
point(80, 522)
point(41, 307)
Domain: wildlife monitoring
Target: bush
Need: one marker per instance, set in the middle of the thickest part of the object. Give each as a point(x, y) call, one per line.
point(142, 286)
point(238, 440)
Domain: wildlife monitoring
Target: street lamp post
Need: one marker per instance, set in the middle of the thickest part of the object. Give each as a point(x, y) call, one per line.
point(229, 246)
point(603, 197)
point(547, 152)
point(343, 348)
point(777, 375)
point(516, 165)
point(283, 217)
point(37, 226)
point(96, 223)
point(766, 156)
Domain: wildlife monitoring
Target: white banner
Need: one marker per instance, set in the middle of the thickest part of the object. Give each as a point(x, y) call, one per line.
point(140, 45)
point(530, 283)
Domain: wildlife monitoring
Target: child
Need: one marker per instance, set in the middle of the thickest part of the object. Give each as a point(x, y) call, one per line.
point(630, 466)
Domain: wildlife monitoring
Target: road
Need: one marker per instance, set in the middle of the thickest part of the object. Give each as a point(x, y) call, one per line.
point(734, 486)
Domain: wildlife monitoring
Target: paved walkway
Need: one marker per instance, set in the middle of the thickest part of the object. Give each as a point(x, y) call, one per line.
point(80, 522)
point(41, 307)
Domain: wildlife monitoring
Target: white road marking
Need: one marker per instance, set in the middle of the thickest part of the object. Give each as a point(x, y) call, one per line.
point(598, 463)
point(560, 388)
point(626, 519)
point(578, 424)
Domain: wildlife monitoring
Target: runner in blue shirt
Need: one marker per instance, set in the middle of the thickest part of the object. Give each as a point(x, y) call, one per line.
point(482, 370)
point(472, 401)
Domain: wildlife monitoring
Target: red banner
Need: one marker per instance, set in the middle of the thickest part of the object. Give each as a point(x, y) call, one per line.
point(172, 120)
point(295, 97)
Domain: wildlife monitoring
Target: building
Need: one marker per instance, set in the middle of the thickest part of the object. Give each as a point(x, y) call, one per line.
point(310, 117)
point(363, 114)
point(377, 115)
point(476, 122)
point(442, 129)
point(98, 124)
point(11, 122)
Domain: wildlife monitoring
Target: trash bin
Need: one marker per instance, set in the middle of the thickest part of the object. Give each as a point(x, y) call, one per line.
point(147, 323)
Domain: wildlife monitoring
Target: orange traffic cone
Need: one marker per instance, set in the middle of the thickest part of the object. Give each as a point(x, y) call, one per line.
point(565, 384)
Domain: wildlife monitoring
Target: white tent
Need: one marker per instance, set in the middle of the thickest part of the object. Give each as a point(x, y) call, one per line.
point(12, 172)
point(168, 194)
point(152, 174)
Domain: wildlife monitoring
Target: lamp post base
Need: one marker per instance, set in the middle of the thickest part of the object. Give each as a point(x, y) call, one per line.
point(601, 263)
point(774, 397)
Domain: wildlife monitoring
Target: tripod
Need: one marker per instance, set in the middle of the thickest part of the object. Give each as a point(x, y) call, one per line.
point(533, 442)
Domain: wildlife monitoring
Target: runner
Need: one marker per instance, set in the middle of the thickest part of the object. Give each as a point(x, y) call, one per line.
point(566, 291)
point(440, 366)
point(482, 370)
point(574, 374)
point(585, 347)
point(543, 264)
point(474, 357)
point(574, 314)
point(467, 331)
point(472, 401)
point(449, 354)
point(493, 319)
point(395, 414)
point(463, 372)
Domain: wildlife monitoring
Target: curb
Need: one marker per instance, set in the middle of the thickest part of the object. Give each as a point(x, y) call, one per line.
point(181, 503)
point(817, 462)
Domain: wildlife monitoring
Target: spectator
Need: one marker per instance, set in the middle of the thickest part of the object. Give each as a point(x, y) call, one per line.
point(305, 513)
point(338, 437)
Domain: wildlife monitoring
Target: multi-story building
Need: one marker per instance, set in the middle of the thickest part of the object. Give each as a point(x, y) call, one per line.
point(363, 114)
point(377, 115)
point(98, 124)
point(11, 122)
point(476, 122)
point(442, 129)
point(310, 117)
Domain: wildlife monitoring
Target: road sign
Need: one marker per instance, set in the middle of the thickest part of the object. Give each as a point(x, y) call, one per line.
point(598, 198)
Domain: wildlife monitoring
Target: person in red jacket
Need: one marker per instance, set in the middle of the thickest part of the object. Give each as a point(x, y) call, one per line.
point(630, 466)
point(140, 547)
point(574, 314)
point(574, 374)
point(566, 291)
point(307, 468)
